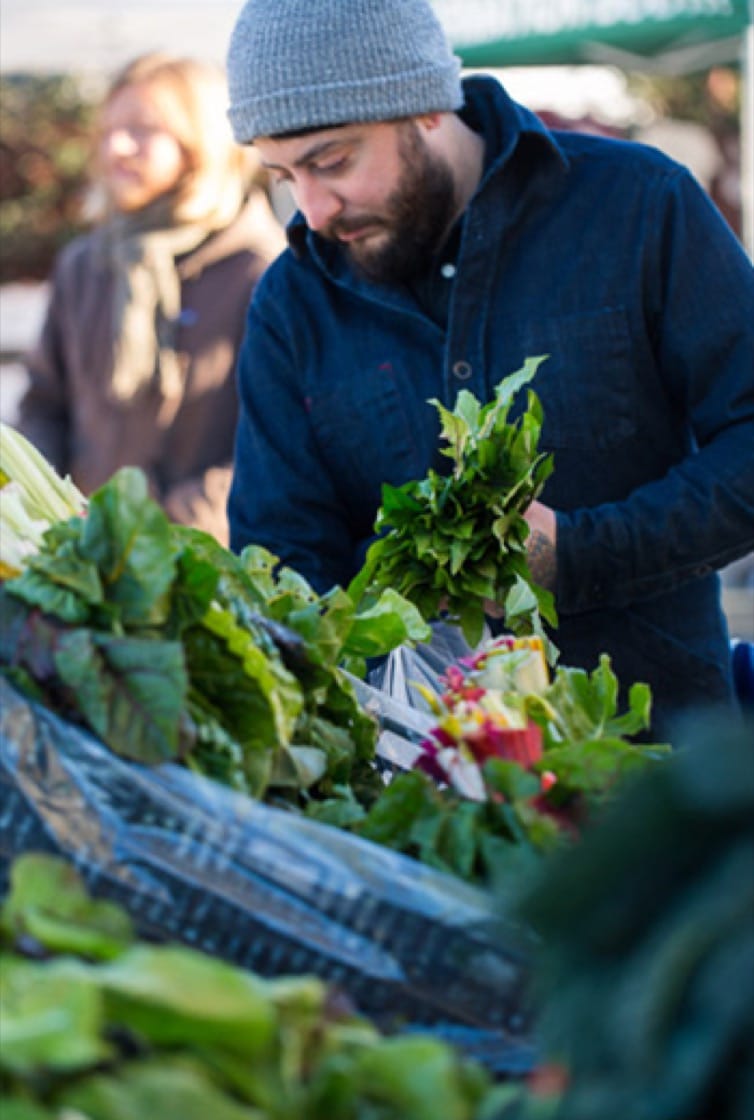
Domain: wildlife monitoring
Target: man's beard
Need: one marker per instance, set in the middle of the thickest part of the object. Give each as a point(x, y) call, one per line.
point(416, 217)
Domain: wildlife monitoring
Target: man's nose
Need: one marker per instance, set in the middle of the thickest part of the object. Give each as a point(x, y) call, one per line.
point(318, 203)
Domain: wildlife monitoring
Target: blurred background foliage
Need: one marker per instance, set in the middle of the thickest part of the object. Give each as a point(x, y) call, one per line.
point(45, 130)
point(710, 97)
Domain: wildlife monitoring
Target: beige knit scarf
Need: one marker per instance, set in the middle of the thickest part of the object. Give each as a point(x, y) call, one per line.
point(141, 249)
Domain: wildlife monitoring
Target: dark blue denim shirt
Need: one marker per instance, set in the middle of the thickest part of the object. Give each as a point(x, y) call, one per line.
point(610, 259)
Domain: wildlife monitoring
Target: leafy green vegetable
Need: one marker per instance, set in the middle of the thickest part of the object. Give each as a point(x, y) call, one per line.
point(165, 1031)
point(169, 1088)
point(411, 1076)
point(451, 543)
point(335, 629)
point(21, 1109)
point(131, 691)
point(49, 903)
point(168, 994)
point(168, 646)
point(646, 1000)
point(48, 1020)
point(526, 802)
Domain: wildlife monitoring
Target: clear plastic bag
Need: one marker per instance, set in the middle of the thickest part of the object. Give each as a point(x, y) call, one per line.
point(390, 694)
point(406, 666)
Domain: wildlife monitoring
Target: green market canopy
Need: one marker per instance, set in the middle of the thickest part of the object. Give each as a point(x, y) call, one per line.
point(673, 35)
point(655, 36)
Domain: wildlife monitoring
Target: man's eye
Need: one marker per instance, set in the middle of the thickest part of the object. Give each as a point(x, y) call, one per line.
point(331, 168)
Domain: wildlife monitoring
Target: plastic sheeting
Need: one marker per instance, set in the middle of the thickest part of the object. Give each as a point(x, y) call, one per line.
point(391, 695)
point(265, 888)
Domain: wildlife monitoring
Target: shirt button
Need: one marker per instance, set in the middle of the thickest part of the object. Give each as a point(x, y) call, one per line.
point(448, 271)
point(461, 370)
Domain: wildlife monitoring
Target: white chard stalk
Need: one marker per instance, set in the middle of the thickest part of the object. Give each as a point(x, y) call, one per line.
point(33, 496)
point(46, 494)
point(20, 534)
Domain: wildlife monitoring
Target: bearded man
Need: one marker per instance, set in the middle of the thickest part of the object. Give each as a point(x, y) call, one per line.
point(443, 235)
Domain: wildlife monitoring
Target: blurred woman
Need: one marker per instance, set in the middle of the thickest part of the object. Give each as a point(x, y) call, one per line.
point(136, 360)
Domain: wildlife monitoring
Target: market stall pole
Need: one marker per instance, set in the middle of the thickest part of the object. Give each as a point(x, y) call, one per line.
point(747, 134)
point(671, 37)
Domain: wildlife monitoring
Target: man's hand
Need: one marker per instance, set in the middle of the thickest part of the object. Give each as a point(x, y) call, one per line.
point(540, 548)
point(540, 544)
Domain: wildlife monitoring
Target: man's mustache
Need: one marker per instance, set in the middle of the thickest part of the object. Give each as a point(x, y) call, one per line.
point(352, 225)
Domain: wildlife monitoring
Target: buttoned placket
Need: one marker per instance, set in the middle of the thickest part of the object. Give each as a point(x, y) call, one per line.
point(467, 318)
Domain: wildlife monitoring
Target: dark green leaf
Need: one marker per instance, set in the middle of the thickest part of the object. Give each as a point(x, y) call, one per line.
point(130, 539)
point(131, 691)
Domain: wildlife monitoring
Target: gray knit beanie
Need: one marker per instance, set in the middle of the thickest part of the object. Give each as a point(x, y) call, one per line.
point(298, 64)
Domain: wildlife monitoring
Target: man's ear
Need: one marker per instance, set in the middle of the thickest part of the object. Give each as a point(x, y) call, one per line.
point(429, 121)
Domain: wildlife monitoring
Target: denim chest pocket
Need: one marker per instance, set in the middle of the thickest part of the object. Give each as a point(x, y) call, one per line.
point(587, 386)
point(367, 430)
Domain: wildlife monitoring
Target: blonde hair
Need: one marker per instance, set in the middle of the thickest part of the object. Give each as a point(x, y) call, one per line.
point(193, 98)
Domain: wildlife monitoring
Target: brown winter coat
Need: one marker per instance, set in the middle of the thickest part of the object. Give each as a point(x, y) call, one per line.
point(184, 446)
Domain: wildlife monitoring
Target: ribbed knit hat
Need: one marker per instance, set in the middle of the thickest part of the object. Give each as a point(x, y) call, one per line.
point(298, 64)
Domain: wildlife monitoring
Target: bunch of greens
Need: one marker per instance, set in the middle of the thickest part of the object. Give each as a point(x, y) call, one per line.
point(533, 793)
point(97, 1024)
point(169, 647)
point(453, 543)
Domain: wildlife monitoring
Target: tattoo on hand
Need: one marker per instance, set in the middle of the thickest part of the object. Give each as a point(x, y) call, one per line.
point(541, 553)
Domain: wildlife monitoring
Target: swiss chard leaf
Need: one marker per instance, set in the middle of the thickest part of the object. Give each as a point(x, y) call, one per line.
point(257, 698)
point(130, 691)
point(130, 540)
point(61, 579)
